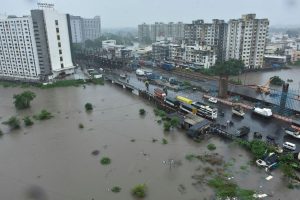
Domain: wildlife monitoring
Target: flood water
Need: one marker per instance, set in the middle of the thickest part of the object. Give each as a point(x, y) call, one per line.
point(261, 78)
point(52, 159)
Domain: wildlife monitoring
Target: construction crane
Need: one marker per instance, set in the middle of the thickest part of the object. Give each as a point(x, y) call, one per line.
point(265, 89)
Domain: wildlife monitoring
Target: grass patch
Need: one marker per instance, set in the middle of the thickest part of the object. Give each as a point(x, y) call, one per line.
point(43, 115)
point(139, 191)
point(190, 157)
point(116, 189)
point(159, 113)
point(211, 147)
point(243, 167)
point(226, 189)
point(105, 161)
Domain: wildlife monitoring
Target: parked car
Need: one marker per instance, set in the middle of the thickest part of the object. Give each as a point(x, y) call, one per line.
point(213, 100)
point(244, 130)
point(271, 139)
point(289, 146)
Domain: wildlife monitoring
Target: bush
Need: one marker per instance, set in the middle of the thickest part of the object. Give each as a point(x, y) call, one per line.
point(139, 191)
point(142, 111)
point(13, 123)
point(167, 126)
point(116, 189)
point(23, 100)
point(175, 121)
point(164, 141)
point(105, 161)
point(43, 115)
point(80, 125)
point(88, 107)
point(211, 147)
point(276, 80)
point(28, 121)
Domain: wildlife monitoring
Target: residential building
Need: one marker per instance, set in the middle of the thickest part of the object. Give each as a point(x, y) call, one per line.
point(161, 31)
point(246, 40)
point(208, 34)
point(83, 29)
point(36, 47)
point(160, 51)
point(144, 32)
point(76, 29)
point(18, 53)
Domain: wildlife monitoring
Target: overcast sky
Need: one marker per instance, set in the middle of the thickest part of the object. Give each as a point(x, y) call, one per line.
point(129, 13)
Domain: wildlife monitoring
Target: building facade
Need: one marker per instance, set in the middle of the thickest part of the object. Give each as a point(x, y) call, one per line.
point(144, 32)
point(161, 31)
point(246, 40)
point(207, 34)
point(36, 47)
point(83, 29)
point(18, 53)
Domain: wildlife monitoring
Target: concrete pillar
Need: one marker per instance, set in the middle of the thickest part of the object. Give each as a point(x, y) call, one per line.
point(284, 93)
point(223, 87)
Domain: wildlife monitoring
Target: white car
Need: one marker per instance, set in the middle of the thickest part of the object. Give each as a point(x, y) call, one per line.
point(213, 100)
point(140, 72)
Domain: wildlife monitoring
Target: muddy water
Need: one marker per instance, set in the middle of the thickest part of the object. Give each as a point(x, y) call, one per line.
point(52, 159)
point(261, 78)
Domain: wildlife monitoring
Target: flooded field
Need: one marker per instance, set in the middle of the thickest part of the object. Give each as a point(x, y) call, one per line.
point(52, 160)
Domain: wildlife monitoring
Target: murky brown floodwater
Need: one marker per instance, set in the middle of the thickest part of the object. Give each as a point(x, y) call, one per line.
point(52, 160)
point(261, 78)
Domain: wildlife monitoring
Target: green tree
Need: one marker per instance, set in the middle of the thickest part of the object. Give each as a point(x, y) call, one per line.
point(13, 123)
point(225, 69)
point(23, 100)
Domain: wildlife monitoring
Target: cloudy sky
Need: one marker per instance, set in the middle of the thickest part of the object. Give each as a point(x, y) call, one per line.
point(129, 13)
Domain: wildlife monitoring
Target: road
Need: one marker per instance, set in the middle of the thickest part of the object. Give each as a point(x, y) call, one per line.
point(273, 127)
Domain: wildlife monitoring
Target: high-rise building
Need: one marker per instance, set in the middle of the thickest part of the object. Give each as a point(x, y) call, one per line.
point(18, 53)
point(144, 32)
point(246, 40)
point(208, 34)
point(76, 29)
point(161, 31)
point(85, 28)
point(35, 47)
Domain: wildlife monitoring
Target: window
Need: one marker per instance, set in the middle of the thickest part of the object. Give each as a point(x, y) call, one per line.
point(57, 30)
point(56, 22)
point(62, 66)
point(59, 44)
point(58, 37)
point(61, 58)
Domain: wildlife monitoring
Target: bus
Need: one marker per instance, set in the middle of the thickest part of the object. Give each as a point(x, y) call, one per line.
point(172, 102)
point(187, 108)
point(184, 100)
point(205, 110)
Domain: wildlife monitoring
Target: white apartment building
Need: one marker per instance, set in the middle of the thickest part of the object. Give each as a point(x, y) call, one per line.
point(76, 29)
point(83, 29)
point(35, 47)
point(201, 56)
point(246, 40)
point(18, 54)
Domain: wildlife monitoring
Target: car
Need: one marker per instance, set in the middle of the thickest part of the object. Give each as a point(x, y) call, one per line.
point(244, 130)
point(270, 139)
point(289, 146)
point(213, 100)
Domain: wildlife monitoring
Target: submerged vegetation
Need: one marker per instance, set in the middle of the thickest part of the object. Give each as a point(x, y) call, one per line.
point(142, 111)
point(211, 147)
point(23, 100)
point(105, 161)
point(43, 115)
point(13, 123)
point(27, 121)
point(139, 191)
point(88, 107)
point(116, 189)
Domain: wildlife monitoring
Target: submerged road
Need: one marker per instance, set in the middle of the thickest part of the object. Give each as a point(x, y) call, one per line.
point(272, 127)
